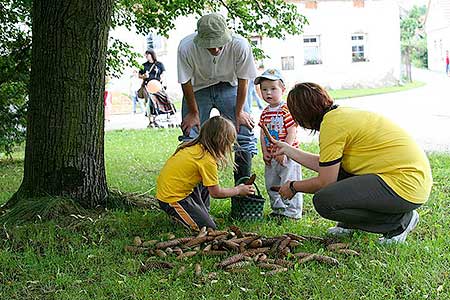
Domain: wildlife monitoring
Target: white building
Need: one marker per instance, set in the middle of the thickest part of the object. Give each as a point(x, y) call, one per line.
point(353, 43)
point(348, 43)
point(437, 27)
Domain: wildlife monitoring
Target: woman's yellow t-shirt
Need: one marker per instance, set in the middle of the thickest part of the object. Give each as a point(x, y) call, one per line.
point(368, 143)
point(183, 171)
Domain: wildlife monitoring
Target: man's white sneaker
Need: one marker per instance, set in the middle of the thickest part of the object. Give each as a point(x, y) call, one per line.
point(339, 231)
point(400, 238)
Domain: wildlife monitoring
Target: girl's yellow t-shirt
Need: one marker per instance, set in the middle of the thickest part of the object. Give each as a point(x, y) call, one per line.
point(183, 171)
point(368, 143)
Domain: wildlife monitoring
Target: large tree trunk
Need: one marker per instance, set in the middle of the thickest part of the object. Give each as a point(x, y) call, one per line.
point(64, 154)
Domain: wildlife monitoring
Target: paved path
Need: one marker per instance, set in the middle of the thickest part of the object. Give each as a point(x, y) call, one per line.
point(424, 112)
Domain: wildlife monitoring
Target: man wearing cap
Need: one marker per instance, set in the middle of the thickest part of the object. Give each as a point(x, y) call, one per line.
point(214, 67)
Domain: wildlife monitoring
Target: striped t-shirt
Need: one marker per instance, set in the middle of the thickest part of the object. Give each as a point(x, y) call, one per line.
point(277, 120)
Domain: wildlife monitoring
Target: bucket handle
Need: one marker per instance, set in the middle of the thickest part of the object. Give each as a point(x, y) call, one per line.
point(244, 179)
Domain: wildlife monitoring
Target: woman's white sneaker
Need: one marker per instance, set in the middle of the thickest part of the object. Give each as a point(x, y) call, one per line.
point(401, 238)
point(339, 231)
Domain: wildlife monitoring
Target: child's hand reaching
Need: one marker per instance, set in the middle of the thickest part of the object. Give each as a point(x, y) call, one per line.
point(245, 190)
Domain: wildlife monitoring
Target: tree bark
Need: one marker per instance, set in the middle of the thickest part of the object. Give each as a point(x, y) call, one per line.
point(407, 56)
point(64, 153)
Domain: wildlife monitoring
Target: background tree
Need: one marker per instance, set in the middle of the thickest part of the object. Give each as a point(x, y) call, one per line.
point(413, 39)
point(15, 61)
point(65, 126)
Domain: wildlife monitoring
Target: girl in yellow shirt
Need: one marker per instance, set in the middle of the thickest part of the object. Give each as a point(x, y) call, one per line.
point(190, 175)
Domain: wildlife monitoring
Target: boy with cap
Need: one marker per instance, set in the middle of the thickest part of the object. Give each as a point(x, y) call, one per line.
point(214, 67)
point(281, 126)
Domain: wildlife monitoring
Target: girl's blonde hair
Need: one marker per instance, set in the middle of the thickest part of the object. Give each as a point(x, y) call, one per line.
point(217, 136)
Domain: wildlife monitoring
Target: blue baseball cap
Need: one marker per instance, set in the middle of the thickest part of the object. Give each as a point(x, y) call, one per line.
point(271, 74)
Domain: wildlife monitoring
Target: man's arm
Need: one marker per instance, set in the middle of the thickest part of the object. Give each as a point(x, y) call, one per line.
point(242, 117)
point(192, 118)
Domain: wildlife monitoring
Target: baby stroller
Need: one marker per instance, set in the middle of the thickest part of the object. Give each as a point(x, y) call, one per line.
point(159, 105)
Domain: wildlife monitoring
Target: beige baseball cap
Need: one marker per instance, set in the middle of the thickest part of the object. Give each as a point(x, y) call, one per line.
point(212, 31)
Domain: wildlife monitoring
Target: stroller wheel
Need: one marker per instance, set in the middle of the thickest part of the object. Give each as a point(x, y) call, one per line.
point(154, 125)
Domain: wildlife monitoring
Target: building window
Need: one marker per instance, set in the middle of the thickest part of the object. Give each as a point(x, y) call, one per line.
point(155, 41)
point(359, 49)
point(287, 63)
point(311, 50)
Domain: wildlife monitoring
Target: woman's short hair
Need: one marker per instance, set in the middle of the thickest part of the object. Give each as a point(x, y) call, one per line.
point(308, 102)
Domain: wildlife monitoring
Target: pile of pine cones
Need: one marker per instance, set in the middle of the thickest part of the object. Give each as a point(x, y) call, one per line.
point(241, 249)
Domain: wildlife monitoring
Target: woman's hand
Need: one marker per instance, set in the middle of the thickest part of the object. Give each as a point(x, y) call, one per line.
point(245, 190)
point(281, 148)
point(285, 192)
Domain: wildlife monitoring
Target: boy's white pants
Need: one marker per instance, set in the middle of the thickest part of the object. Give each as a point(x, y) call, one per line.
point(276, 174)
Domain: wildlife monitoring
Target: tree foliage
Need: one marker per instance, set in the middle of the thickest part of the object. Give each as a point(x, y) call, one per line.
point(267, 18)
point(274, 18)
point(413, 38)
point(15, 62)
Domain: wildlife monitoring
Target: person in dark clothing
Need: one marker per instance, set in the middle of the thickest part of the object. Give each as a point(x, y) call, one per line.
point(152, 68)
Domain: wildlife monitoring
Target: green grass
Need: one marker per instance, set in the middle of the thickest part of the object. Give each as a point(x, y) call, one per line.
point(178, 103)
point(82, 256)
point(351, 93)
